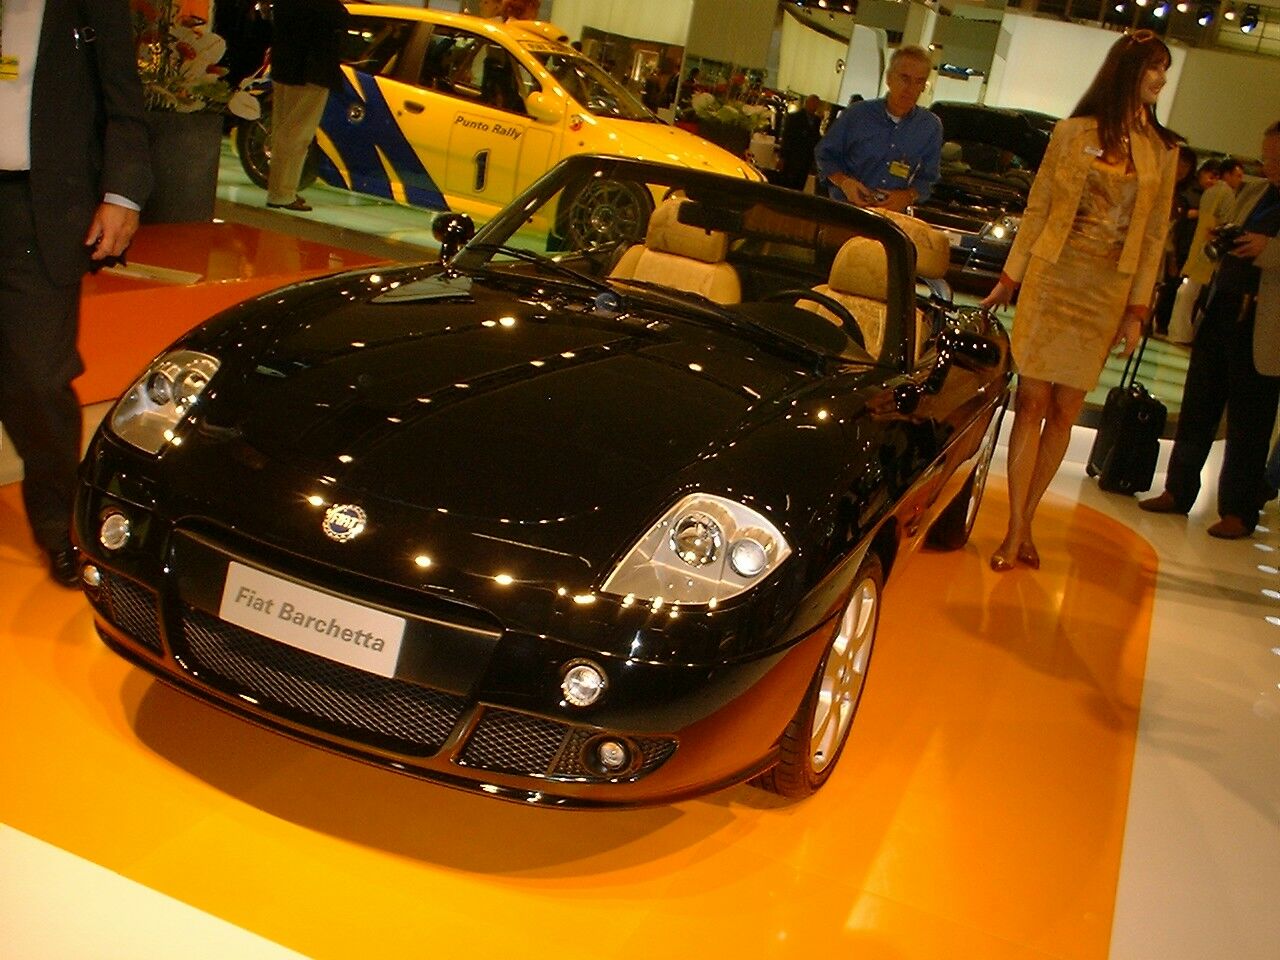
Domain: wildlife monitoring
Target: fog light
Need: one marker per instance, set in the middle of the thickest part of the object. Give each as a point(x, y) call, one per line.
point(612, 755)
point(115, 531)
point(748, 557)
point(583, 683)
point(91, 576)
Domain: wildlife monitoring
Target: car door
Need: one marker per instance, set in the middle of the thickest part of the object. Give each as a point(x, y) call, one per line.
point(362, 136)
point(492, 147)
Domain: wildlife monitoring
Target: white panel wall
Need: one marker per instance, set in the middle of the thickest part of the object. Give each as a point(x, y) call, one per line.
point(735, 31)
point(1225, 101)
point(1049, 64)
point(663, 21)
point(807, 61)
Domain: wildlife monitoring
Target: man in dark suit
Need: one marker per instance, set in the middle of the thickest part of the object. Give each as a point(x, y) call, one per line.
point(306, 38)
point(801, 131)
point(73, 173)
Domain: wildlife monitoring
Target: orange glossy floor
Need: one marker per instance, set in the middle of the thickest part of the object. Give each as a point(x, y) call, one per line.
point(978, 811)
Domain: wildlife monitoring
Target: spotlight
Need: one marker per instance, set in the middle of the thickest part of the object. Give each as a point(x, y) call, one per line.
point(1249, 20)
point(1161, 11)
point(1228, 12)
point(1205, 15)
point(1120, 7)
point(1182, 6)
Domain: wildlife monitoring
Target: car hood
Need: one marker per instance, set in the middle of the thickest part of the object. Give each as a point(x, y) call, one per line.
point(664, 143)
point(492, 404)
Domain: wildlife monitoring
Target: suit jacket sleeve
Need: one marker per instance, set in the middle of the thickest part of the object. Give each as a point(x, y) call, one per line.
point(126, 164)
point(1036, 214)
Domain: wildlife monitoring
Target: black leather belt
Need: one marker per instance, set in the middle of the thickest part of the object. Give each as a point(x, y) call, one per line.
point(13, 176)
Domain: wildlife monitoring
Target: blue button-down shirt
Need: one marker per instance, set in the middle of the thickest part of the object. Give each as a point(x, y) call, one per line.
point(864, 142)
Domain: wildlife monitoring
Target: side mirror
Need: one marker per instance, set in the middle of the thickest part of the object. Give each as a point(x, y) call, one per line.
point(545, 107)
point(452, 231)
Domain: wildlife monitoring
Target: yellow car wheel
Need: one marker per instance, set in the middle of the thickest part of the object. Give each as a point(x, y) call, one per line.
point(603, 212)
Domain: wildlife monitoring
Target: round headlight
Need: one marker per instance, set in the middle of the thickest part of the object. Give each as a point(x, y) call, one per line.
point(159, 388)
point(115, 531)
point(748, 557)
point(696, 539)
point(583, 683)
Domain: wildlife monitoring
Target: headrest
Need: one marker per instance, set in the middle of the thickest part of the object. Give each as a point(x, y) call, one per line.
point(933, 250)
point(952, 152)
point(667, 235)
point(861, 268)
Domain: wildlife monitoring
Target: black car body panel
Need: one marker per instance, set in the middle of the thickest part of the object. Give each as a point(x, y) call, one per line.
point(984, 189)
point(502, 435)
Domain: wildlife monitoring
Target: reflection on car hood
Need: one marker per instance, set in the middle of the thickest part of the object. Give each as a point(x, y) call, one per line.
point(497, 406)
point(668, 144)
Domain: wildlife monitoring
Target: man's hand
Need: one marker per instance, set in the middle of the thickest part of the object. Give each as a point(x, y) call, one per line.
point(1250, 245)
point(112, 228)
point(897, 200)
point(853, 190)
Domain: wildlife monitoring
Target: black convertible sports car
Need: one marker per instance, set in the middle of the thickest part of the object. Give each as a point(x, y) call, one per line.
point(598, 513)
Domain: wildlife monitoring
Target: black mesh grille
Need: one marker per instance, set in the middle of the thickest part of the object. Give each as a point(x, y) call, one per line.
point(362, 706)
point(514, 743)
point(132, 608)
point(517, 743)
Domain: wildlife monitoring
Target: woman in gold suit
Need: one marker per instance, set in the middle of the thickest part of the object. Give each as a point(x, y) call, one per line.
point(1087, 254)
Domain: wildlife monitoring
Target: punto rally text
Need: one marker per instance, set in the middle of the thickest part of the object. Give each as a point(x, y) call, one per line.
point(328, 626)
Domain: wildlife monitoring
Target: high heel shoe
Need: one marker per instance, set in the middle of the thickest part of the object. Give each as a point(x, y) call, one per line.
point(1028, 554)
point(1000, 563)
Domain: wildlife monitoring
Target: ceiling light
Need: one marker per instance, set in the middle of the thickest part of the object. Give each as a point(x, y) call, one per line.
point(1182, 6)
point(1228, 12)
point(1249, 21)
point(1161, 11)
point(1204, 16)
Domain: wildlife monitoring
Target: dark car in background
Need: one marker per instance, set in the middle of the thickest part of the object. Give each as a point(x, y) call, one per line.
point(989, 159)
point(598, 513)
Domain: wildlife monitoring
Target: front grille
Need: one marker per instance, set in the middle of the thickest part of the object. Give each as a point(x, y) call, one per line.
point(510, 742)
point(133, 608)
point(297, 685)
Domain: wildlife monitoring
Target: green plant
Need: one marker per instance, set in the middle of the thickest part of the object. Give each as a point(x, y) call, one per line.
point(731, 113)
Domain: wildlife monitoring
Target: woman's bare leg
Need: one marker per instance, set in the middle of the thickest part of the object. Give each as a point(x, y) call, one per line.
point(1065, 404)
point(1032, 406)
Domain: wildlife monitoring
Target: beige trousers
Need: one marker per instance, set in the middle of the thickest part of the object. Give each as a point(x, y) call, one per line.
point(295, 114)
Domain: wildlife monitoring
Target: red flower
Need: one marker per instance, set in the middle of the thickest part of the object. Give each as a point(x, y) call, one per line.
point(186, 51)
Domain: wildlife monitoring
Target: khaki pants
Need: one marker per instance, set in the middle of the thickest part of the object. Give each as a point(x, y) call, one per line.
point(295, 114)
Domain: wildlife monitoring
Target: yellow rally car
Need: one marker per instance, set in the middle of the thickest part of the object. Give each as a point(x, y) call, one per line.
point(452, 112)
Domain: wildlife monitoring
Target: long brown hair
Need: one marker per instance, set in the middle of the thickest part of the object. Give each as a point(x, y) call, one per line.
point(1115, 98)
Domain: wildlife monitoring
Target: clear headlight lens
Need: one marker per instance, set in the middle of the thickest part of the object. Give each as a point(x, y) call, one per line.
point(704, 550)
point(1006, 228)
point(148, 414)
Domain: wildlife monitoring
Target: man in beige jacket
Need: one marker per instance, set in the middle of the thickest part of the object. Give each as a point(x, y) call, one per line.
point(1215, 209)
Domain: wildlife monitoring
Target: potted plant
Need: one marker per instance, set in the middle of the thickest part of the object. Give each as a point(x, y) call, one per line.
point(726, 122)
point(185, 97)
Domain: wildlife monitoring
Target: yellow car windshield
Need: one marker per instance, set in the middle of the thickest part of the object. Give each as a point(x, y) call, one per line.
point(597, 92)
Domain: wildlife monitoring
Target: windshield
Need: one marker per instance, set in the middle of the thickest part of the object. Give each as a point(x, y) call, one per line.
point(799, 275)
point(595, 90)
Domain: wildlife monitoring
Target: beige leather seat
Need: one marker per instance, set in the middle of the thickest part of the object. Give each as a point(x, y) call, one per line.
point(685, 258)
point(859, 279)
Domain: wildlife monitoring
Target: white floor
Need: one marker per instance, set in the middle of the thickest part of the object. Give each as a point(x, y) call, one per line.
point(1200, 876)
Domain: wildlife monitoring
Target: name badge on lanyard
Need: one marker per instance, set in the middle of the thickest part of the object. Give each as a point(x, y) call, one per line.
point(900, 169)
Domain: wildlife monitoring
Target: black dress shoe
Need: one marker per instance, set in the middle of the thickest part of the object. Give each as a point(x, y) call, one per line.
point(64, 565)
point(297, 203)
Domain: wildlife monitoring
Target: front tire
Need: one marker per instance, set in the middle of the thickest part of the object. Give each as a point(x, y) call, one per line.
point(954, 525)
point(602, 212)
point(814, 739)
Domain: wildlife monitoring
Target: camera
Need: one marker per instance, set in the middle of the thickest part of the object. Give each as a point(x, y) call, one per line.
point(1222, 240)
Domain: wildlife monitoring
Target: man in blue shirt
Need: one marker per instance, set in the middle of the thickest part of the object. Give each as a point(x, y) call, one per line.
point(886, 152)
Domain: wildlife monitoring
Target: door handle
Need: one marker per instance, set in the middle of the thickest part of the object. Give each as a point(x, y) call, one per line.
point(413, 107)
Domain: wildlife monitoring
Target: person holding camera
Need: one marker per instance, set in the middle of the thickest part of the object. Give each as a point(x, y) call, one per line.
point(1197, 270)
point(1235, 361)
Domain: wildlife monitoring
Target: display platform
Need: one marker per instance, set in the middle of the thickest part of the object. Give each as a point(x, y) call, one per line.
point(978, 811)
point(178, 275)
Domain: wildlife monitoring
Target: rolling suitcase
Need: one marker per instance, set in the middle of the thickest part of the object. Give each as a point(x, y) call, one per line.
point(1124, 452)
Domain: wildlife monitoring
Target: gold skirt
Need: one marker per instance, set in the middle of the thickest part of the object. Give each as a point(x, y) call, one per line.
point(1067, 317)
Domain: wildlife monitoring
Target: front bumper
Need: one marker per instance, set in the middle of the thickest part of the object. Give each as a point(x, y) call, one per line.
point(472, 704)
